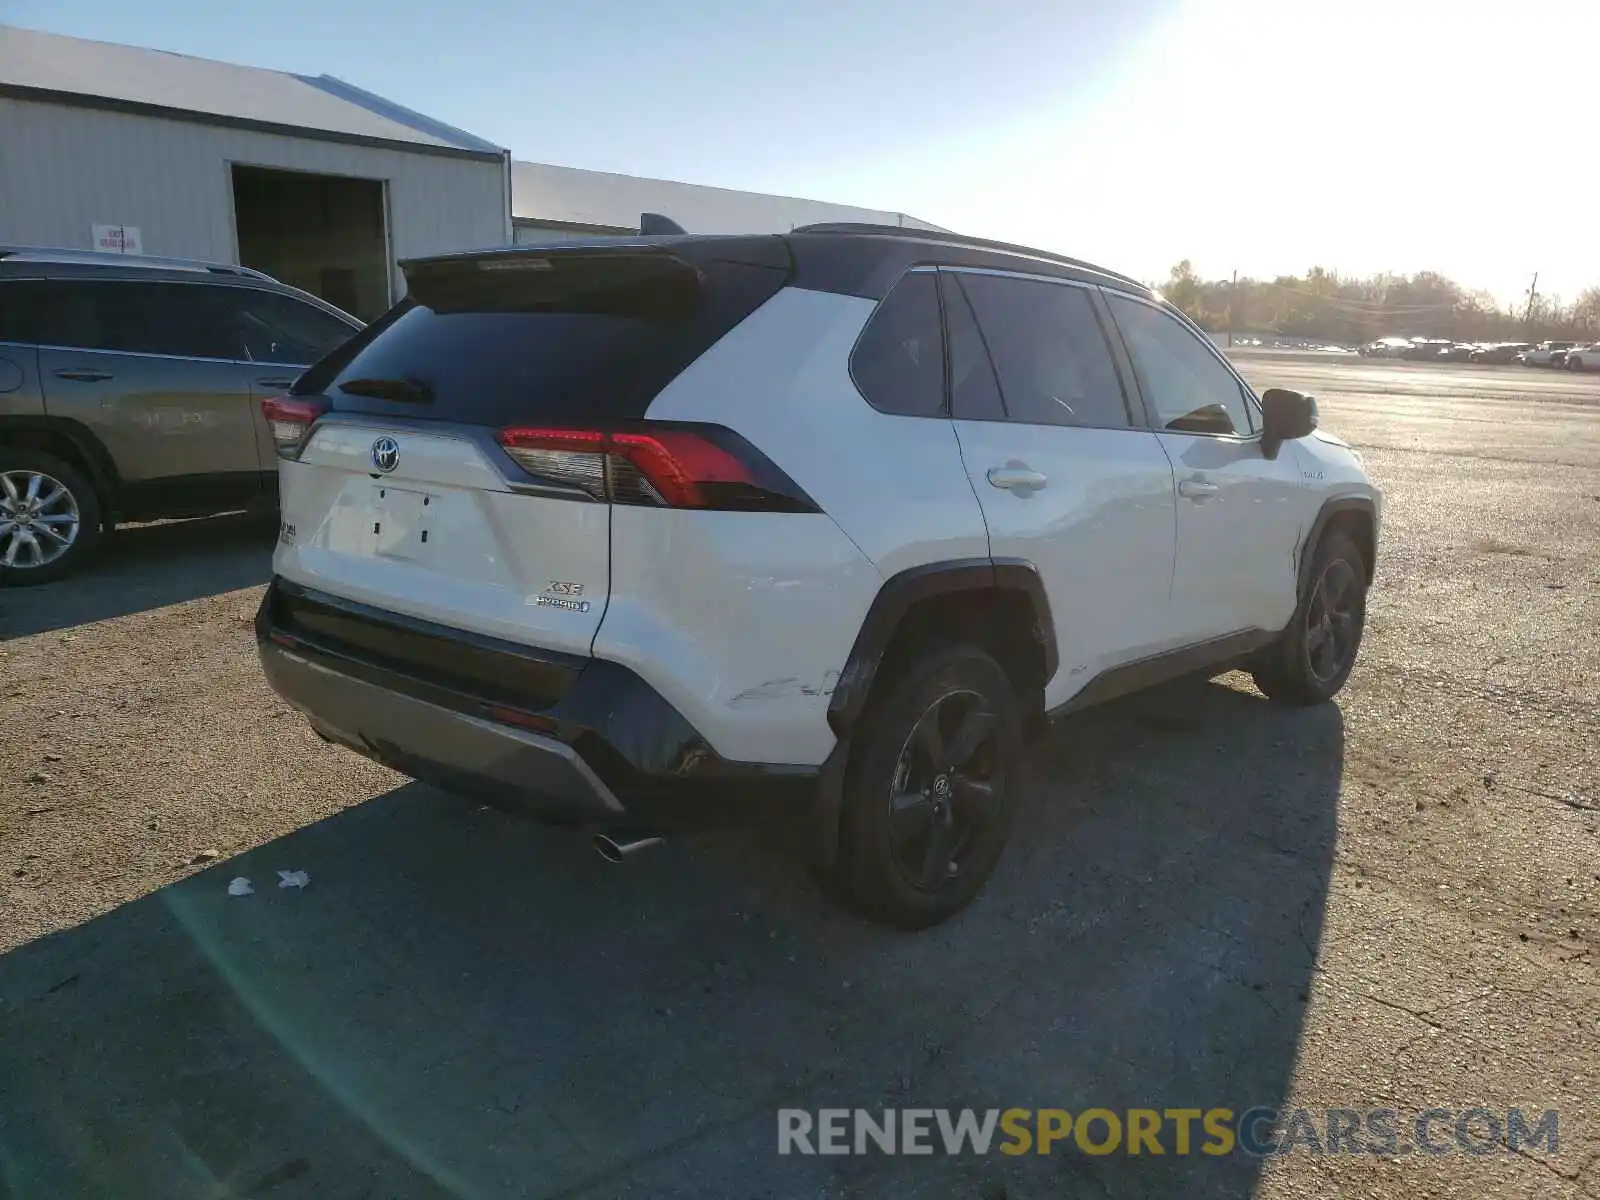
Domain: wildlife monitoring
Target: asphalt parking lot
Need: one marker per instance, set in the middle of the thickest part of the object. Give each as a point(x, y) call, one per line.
point(1392, 902)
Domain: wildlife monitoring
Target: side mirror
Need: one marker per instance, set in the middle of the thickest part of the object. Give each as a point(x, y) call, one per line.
point(1285, 416)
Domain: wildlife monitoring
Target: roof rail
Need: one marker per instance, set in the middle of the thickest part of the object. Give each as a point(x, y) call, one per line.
point(959, 239)
point(112, 258)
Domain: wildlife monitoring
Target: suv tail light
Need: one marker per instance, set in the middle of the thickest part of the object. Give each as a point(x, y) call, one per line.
point(290, 419)
point(658, 465)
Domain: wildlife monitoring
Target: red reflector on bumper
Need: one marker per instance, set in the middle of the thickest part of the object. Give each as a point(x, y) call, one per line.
point(514, 716)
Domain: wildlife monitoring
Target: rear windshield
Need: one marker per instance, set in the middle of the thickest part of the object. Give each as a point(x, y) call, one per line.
point(560, 339)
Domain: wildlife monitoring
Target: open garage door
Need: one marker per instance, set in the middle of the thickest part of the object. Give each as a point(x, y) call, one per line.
point(325, 234)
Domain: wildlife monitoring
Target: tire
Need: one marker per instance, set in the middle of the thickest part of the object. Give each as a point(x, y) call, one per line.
point(1313, 658)
point(917, 839)
point(48, 494)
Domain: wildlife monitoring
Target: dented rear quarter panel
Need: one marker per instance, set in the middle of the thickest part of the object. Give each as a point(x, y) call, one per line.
point(741, 620)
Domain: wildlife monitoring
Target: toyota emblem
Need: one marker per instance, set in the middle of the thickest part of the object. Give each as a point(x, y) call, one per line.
point(386, 454)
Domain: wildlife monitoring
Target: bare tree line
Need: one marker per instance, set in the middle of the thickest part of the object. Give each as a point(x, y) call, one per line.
point(1324, 306)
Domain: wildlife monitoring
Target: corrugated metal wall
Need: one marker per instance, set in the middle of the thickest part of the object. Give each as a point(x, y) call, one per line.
point(539, 235)
point(567, 194)
point(64, 170)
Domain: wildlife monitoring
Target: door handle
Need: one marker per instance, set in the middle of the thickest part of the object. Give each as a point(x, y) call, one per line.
point(1196, 489)
point(1015, 477)
point(84, 376)
point(275, 382)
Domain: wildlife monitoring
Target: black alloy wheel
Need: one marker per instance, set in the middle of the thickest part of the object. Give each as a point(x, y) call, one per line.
point(937, 761)
point(948, 787)
point(1333, 621)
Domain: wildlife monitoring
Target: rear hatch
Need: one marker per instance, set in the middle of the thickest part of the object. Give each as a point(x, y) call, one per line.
point(457, 460)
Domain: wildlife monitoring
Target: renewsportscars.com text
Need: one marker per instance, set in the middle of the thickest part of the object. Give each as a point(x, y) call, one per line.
point(1257, 1131)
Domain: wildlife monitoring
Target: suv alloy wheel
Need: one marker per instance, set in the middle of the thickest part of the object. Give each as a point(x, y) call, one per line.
point(931, 789)
point(49, 517)
point(1311, 661)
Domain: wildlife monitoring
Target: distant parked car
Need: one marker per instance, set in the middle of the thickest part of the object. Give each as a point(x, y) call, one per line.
point(1459, 352)
point(1426, 349)
point(1386, 347)
point(1501, 352)
point(134, 393)
point(1584, 358)
point(1543, 355)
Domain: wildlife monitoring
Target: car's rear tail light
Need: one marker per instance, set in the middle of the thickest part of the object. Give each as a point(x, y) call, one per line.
point(290, 418)
point(658, 465)
point(575, 457)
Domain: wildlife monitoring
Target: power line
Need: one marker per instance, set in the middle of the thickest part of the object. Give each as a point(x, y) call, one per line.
point(1373, 306)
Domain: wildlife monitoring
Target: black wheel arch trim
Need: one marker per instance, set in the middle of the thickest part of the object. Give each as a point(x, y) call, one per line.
point(100, 467)
point(1325, 515)
point(900, 592)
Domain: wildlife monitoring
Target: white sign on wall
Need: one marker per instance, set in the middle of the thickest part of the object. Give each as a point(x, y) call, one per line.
point(119, 239)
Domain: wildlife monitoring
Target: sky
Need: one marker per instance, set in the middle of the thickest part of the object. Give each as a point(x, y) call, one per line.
point(1263, 137)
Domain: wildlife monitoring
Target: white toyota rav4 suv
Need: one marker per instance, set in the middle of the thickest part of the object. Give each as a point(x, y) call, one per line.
point(658, 533)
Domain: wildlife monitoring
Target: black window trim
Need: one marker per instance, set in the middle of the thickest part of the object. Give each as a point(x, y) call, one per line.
point(988, 357)
point(1246, 393)
point(1138, 416)
point(246, 360)
point(944, 346)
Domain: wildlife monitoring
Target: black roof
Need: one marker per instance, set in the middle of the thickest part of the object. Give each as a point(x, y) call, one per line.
point(943, 237)
point(852, 259)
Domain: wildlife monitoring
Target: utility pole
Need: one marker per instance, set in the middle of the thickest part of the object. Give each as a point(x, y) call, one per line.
point(1233, 303)
point(1533, 294)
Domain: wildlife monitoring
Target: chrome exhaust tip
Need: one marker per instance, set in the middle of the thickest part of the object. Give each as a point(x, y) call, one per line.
point(614, 850)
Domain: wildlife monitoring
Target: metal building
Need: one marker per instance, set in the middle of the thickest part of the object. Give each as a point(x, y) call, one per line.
point(314, 181)
point(561, 203)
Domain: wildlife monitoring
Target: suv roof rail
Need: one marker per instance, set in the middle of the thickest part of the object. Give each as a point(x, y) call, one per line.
point(112, 258)
point(960, 239)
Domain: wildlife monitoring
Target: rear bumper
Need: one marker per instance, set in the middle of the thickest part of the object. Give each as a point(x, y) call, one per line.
point(450, 748)
point(588, 743)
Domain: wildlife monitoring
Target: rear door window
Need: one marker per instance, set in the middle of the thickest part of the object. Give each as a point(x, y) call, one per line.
point(182, 320)
point(1051, 356)
point(898, 364)
point(567, 339)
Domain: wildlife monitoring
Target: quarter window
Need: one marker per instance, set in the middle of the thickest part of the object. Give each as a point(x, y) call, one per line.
point(1049, 352)
point(18, 300)
point(1189, 388)
point(899, 362)
point(280, 329)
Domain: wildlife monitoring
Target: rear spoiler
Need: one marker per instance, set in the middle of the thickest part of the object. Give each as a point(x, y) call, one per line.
point(756, 249)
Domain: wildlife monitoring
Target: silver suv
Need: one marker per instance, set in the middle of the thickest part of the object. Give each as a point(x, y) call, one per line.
point(130, 389)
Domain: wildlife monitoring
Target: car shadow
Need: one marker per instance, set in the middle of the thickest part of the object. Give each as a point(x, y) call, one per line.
point(148, 566)
point(461, 1003)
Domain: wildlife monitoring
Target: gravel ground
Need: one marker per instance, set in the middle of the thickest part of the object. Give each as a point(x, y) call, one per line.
point(1391, 902)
